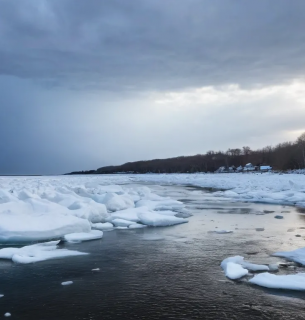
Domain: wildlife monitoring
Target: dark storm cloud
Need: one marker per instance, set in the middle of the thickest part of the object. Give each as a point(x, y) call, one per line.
point(152, 44)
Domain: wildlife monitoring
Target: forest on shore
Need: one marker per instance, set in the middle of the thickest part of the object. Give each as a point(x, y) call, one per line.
point(282, 157)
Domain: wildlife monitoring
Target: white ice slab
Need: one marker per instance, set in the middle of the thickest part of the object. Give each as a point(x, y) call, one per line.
point(289, 282)
point(37, 252)
point(297, 255)
point(81, 236)
point(158, 220)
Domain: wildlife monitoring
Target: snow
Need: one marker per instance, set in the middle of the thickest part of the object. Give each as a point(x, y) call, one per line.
point(122, 222)
point(66, 283)
point(297, 255)
point(288, 282)
point(79, 237)
point(254, 187)
point(158, 220)
point(102, 226)
point(235, 271)
point(236, 267)
point(35, 209)
point(37, 252)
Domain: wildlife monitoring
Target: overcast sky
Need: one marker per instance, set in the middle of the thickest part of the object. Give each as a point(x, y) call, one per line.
point(89, 83)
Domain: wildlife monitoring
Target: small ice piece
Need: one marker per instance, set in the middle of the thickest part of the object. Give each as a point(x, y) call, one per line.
point(297, 255)
point(82, 236)
point(244, 264)
point(288, 282)
point(221, 231)
point(1, 295)
point(278, 217)
point(102, 226)
point(273, 267)
point(260, 229)
point(235, 271)
point(155, 219)
point(7, 314)
point(66, 283)
point(96, 269)
point(137, 226)
point(122, 222)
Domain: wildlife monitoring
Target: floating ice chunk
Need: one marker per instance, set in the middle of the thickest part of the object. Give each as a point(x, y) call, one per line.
point(244, 264)
point(278, 217)
point(235, 271)
point(7, 314)
point(273, 267)
point(137, 226)
point(121, 228)
point(81, 236)
point(37, 252)
point(96, 269)
point(66, 283)
point(289, 282)
point(1, 295)
point(102, 226)
point(297, 255)
point(160, 205)
point(158, 220)
point(260, 229)
point(254, 267)
point(122, 222)
point(221, 231)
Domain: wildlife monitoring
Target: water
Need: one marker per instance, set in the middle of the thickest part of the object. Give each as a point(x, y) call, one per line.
point(163, 273)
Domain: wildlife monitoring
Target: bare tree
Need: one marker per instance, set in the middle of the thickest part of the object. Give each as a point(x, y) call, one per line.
point(301, 144)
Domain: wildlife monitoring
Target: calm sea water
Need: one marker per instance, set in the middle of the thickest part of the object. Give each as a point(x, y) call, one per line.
point(163, 273)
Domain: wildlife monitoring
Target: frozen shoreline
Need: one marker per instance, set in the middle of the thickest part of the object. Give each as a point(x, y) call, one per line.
point(284, 189)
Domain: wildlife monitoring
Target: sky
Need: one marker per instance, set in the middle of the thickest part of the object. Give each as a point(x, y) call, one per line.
point(90, 83)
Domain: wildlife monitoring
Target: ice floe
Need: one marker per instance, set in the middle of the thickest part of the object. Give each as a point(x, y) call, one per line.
point(288, 282)
point(37, 252)
point(236, 267)
point(81, 236)
point(297, 255)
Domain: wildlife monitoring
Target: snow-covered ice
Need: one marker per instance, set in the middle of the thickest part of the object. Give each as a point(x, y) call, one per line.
point(288, 282)
point(49, 208)
point(79, 237)
point(297, 255)
point(255, 187)
point(37, 252)
point(235, 271)
point(236, 267)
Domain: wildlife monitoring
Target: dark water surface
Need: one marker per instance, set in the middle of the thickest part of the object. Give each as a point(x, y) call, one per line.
point(163, 273)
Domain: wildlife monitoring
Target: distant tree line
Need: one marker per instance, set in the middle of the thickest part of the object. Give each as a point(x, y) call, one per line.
point(282, 157)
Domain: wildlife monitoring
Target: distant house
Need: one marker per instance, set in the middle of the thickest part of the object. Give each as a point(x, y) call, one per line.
point(239, 169)
point(249, 167)
point(265, 168)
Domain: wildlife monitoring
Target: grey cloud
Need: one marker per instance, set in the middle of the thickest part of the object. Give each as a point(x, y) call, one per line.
point(152, 45)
